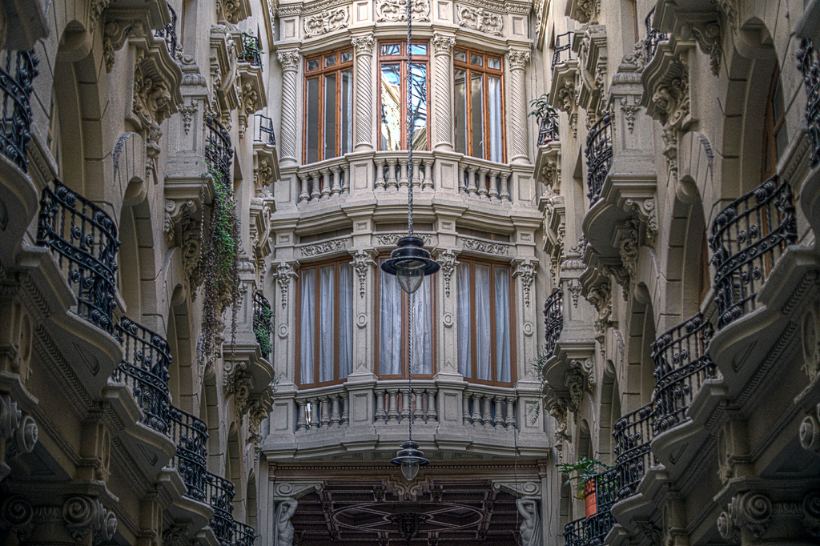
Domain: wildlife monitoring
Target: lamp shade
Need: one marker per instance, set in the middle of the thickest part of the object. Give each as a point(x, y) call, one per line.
point(410, 458)
point(410, 262)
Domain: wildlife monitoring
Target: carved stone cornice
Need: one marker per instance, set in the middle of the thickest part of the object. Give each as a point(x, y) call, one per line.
point(699, 20)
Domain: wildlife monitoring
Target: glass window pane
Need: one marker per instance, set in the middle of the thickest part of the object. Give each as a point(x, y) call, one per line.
point(461, 55)
point(418, 49)
point(312, 122)
point(347, 111)
point(465, 322)
point(502, 324)
point(477, 114)
point(476, 60)
point(482, 321)
point(496, 119)
point(390, 330)
point(344, 322)
point(330, 60)
point(326, 324)
point(390, 49)
point(418, 90)
point(313, 64)
point(494, 62)
point(422, 339)
point(307, 321)
point(391, 107)
point(347, 56)
point(330, 116)
point(460, 116)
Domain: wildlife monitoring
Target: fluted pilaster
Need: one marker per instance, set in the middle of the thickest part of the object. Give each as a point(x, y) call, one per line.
point(290, 69)
point(363, 46)
point(442, 91)
point(518, 60)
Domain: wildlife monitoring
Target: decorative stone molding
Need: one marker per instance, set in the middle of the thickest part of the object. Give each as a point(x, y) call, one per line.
point(527, 270)
point(363, 260)
point(84, 515)
point(176, 213)
point(708, 37)
point(486, 247)
point(238, 382)
point(557, 407)
point(579, 380)
point(326, 21)
point(448, 262)
point(18, 432)
point(283, 275)
point(323, 247)
point(809, 431)
point(233, 11)
point(390, 239)
point(748, 511)
point(480, 19)
point(16, 516)
point(394, 11)
point(259, 408)
point(811, 513)
point(518, 487)
point(584, 11)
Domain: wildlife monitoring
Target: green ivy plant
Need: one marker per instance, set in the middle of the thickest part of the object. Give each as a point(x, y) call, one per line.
point(262, 332)
point(581, 471)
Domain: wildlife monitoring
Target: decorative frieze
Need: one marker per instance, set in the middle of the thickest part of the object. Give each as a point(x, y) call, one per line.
point(480, 19)
point(394, 11)
point(390, 239)
point(325, 22)
point(485, 247)
point(323, 247)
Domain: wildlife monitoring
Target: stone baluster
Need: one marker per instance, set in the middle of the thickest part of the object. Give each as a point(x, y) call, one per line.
point(427, 181)
point(315, 185)
point(432, 413)
point(344, 419)
point(405, 404)
point(498, 419)
point(486, 413)
point(300, 414)
point(494, 184)
point(518, 59)
point(304, 179)
point(419, 411)
point(380, 185)
point(345, 183)
point(510, 417)
point(465, 407)
point(403, 180)
point(326, 183)
point(392, 183)
point(380, 413)
point(476, 417)
point(363, 45)
point(505, 186)
point(392, 408)
point(290, 61)
point(336, 188)
point(324, 405)
point(482, 182)
point(416, 172)
point(335, 417)
point(472, 189)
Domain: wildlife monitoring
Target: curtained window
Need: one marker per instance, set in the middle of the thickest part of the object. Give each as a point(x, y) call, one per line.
point(392, 310)
point(325, 334)
point(397, 66)
point(485, 323)
point(479, 104)
point(328, 105)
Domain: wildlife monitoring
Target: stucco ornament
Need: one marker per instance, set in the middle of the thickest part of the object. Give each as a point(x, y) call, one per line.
point(326, 21)
point(283, 275)
point(447, 261)
point(396, 10)
point(362, 261)
point(284, 528)
point(84, 515)
point(748, 511)
point(480, 19)
point(530, 527)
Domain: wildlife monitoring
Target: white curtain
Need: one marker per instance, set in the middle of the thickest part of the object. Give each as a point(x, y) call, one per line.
point(464, 322)
point(326, 324)
point(496, 153)
point(345, 321)
point(391, 321)
point(307, 320)
point(482, 319)
point(423, 328)
point(502, 324)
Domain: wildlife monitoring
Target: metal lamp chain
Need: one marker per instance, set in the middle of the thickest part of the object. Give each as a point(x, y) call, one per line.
point(410, 316)
point(410, 116)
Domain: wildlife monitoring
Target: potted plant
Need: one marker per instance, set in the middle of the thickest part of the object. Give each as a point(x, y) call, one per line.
point(541, 107)
point(583, 473)
point(547, 117)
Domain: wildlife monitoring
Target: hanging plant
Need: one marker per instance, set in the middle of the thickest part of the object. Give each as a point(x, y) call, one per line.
point(541, 108)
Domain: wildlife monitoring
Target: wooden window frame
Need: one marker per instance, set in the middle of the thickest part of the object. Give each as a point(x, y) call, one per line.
point(404, 60)
point(772, 127)
point(405, 301)
point(320, 74)
point(485, 71)
point(467, 261)
point(317, 266)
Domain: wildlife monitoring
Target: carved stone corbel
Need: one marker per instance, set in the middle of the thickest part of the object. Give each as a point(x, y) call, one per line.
point(84, 515)
point(18, 433)
point(556, 406)
point(283, 275)
point(809, 432)
point(363, 260)
point(238, 382)
point(447, 259)
point(579, 380)
point(708, 37)
point(526, 269)
point(17, 516)
point(748, 512)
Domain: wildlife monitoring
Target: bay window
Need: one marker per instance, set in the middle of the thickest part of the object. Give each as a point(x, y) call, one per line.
point(397, 65)
point(392, 306)
point(324, 341)
point(328, 129)
point(486, 330)
point(479, 104)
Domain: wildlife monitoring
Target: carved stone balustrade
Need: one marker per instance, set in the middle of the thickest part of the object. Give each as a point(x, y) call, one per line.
point(393, 171)
point(480, 179)
point(489, 409)
point(324, 180)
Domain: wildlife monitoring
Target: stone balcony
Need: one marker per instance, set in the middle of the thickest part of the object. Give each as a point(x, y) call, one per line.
point(349, 418)
point(565, 73)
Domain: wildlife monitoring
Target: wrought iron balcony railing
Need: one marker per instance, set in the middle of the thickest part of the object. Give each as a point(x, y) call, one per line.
point(808, 60)
point(599, 157)
point(16, 75)
point(144, 370)
point(548, 128)
point(251, 50)
point(747, 239)
point(681, 367)
point(633, 434)
point(563, 49)
point(589, 531)
point(84, 238)
point(218, 147)
point(553, 319)
point(243, 535)
point(264, 130)
point(653, 37)
point(169, 33)
point(191, 438)
point(262, 315)
point(220, 493)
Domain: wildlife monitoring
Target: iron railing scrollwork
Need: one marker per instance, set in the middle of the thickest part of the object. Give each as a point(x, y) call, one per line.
point(747, 239)
point(553, 319)
point(808, 61)
point(548, 128)
point(264, 130)
point(599, 157)
point(251, 50)
point(220, 493)
point(169, 33)
point(633, 434)
point(144, 370)
point(589, 531)
point(653, 37)
point(190, 435)
point(243, 535)
point(16, 76)
point(218, 147)
point(85, 241)
point(562, 51)
point(681, 367)
point(262, 316)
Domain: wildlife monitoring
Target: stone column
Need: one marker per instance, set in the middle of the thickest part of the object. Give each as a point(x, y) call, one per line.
point(442, 92)
point(289, 60)
point(363, 45)
point(518, 59)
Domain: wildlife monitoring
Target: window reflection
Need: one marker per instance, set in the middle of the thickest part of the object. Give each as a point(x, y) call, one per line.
point(479, 105)
point(329, 105)
point(397, 69)
point(391, 107)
